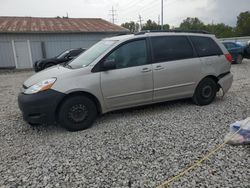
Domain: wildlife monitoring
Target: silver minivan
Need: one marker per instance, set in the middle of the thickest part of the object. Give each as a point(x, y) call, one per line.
point(127, 71)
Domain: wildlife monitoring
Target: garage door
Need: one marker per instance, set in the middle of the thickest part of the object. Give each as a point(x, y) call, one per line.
point(6, 55)
point(22, 55)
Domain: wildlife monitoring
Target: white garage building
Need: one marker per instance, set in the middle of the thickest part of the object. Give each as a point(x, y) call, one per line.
point(23, 40)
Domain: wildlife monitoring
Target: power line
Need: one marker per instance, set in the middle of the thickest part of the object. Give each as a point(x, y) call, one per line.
point(147, 10)
point(152, 6)
point(113, 14)
point(150, 11)
point(132, 5)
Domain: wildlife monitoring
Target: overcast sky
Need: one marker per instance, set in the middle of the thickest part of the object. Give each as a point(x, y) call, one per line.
point(175, 11)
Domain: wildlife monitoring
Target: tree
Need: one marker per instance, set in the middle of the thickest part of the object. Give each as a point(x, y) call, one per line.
point(243, 24)
point(192, 24)
point(131, 26)
point(152, 25)
point(221, 30)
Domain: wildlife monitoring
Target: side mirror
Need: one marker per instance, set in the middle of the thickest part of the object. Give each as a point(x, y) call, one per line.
point(109, 64)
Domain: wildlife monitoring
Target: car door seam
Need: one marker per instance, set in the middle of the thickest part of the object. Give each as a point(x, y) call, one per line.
point(174, 86)
point(129, 94)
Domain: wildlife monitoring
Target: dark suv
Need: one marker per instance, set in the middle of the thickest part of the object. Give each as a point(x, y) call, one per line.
point(63, 57)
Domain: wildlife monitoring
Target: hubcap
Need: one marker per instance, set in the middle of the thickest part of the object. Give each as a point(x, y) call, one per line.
point(207, 91)
point(78, 113)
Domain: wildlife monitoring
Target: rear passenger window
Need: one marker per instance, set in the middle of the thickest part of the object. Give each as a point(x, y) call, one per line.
point(205, 46)
point(169, 48)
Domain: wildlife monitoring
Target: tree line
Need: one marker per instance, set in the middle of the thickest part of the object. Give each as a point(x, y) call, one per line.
point(221, 30)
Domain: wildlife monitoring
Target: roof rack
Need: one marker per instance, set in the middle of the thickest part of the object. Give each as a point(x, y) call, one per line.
point(172, 31)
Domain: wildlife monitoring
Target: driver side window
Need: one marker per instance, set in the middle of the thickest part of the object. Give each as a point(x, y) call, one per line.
point(130, 54)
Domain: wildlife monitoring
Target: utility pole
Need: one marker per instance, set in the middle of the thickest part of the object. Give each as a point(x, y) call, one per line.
point(159, 21)
point(161, 14)
point(113, 14)
point(140, 21)
point(212, 26)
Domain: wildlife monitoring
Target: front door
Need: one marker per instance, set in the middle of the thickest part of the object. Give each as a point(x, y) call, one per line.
point(130, 83)
point(22, 55)
point(176, 68)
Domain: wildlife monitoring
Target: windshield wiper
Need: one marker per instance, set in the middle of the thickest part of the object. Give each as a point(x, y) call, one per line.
point(67, 65)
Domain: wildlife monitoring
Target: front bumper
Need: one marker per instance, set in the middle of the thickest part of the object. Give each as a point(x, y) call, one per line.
point(226, 82)
point(41, 107)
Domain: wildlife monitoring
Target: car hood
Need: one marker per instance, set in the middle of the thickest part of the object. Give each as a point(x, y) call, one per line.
point(52, 72)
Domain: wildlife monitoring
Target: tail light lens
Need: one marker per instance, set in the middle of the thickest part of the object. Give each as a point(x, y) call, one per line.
point(229, 57)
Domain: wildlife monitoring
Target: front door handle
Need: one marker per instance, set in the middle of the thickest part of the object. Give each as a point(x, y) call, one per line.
point(159, 67)
point(146, 69)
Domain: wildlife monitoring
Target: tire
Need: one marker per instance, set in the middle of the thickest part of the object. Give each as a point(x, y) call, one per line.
point(205, 92)
point(77, 113)
point(239, 59)
point(33, 124)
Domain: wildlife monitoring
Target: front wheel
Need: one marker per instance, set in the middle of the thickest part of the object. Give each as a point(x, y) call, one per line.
point(77, 113)
point(205, 92)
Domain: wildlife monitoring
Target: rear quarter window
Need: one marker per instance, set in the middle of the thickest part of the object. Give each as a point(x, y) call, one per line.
point(205, 46)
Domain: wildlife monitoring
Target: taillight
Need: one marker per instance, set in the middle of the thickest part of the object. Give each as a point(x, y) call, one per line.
point(229, 57)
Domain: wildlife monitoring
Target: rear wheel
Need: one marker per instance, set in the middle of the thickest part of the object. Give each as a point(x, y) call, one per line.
point(205, 92)
point(239, 59)
point(77, 113)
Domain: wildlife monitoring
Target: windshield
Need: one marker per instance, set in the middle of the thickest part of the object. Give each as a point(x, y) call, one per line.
point(62, 55)
point(241, 44)
point(91, 54)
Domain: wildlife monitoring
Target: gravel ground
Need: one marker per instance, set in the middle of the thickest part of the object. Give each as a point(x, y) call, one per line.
point(138, 147)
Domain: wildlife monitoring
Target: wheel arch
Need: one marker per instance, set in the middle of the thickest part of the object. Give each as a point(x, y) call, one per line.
point(213, 77)
point(199, 98)
point(80, 93)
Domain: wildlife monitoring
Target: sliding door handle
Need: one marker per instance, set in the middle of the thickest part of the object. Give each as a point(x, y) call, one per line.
point(159, 67)
point(146, 70)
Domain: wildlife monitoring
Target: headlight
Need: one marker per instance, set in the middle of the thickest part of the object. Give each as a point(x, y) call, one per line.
point(41, 86)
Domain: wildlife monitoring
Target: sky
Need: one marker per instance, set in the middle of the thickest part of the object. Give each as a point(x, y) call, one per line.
point(175, 11)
